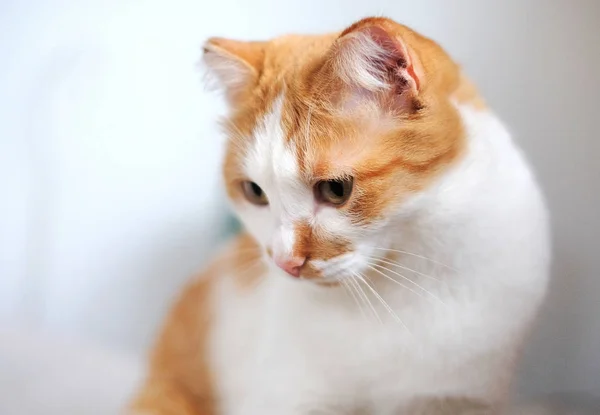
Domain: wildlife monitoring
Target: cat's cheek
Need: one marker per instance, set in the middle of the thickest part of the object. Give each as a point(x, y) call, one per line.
point(257, 222)
point(334, 222)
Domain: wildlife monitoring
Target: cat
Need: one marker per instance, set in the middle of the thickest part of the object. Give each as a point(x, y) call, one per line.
point(395, 249)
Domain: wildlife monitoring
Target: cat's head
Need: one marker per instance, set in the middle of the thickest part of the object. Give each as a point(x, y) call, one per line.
point(332, 137)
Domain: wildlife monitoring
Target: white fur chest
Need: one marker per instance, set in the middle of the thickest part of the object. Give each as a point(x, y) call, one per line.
point(305, 354)
point(289, 347)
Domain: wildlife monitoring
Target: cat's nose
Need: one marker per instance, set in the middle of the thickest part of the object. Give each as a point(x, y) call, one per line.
point(291, 265)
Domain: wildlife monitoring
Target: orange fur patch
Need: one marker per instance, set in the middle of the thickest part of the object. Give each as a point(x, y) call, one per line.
point(247, 262)
point(315, 246)
point(180, 379)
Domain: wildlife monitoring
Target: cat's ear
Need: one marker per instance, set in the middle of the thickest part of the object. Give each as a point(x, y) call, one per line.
point(374, 61)
point(232, 66)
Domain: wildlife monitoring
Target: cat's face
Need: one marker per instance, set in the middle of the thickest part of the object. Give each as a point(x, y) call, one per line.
point(330, 138)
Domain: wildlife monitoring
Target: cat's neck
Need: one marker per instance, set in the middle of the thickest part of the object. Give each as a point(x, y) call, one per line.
point(448, 222)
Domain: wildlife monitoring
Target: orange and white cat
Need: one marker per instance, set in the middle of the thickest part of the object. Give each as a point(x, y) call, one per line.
point(396, 247)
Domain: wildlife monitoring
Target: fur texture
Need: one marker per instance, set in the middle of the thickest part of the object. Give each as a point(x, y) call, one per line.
point(414, 295)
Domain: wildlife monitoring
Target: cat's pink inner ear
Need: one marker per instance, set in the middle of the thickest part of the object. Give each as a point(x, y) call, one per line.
point(397, 58)
point(372, 61)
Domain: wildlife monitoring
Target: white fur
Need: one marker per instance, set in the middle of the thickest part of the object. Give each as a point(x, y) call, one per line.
point(226, 72)
point(356, 61)
point(271, 163)
point(290, 347)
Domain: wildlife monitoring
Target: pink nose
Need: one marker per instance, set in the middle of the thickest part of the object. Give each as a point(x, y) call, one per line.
point(291, 265)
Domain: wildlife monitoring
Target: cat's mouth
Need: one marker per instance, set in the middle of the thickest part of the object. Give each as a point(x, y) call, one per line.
point(326, 272)
point(305, 270)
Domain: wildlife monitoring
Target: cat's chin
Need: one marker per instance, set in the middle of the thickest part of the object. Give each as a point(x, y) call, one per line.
point(340, 279)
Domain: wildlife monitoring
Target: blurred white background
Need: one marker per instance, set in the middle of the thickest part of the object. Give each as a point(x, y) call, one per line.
point(110, 154)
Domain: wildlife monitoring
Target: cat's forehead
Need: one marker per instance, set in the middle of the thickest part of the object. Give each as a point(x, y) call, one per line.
point(299, 142)
point(269, 148)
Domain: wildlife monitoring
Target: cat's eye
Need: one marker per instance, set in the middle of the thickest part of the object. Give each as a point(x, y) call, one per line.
point(334, 192)
point(254, 194)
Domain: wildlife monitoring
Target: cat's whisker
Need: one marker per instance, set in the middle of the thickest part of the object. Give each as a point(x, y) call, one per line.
point(416, 256)
point(396, 264)
point(372, 267)
point(397, 282)
point(349, 289)
point(433, 296)
point(352, 284)
point(382, 301)
point(364, 297)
